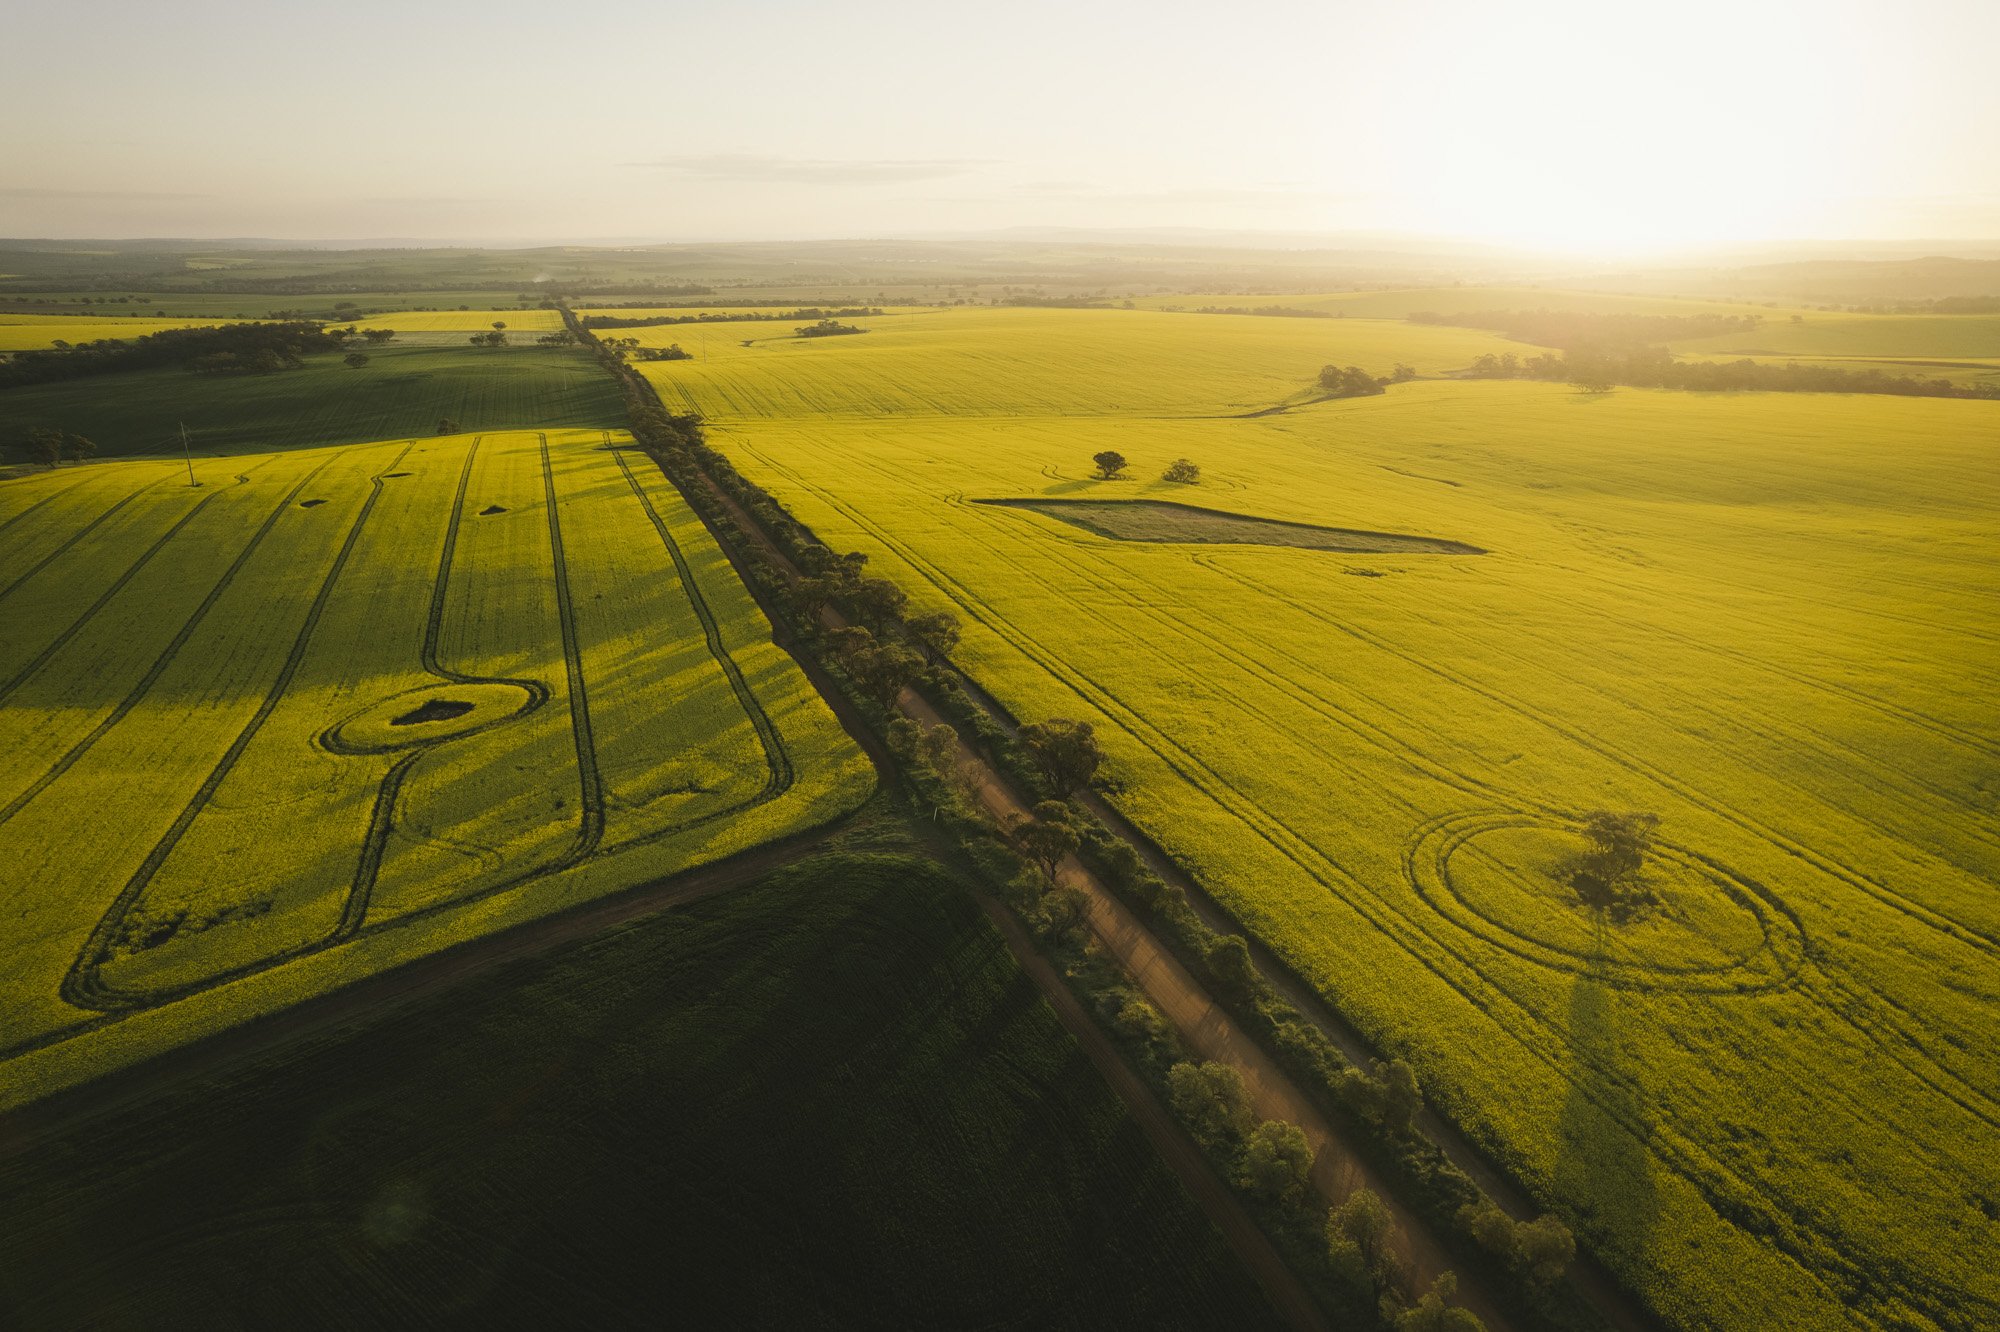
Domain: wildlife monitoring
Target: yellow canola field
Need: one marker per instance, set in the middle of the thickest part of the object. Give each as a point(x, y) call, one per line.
point(387, 698)
point(1766, 1101)
point(1401, 302)
point(463, 321)
point(36, 332)
point(1007, 362)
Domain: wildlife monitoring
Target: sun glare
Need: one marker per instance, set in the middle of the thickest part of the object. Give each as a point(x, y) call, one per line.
point(1599, 130)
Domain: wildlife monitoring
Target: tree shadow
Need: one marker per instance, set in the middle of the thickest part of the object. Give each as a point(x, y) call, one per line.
point(1605, 1167)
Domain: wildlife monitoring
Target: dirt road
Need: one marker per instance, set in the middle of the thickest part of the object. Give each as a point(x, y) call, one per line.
point(1203, 1027)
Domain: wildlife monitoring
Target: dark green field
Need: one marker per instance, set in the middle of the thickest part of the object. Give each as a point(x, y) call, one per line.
point(402, 391)
point(831, 1099)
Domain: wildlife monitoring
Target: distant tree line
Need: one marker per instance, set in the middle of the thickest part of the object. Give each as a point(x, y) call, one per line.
point(230, 349)
point(1062, 302)
point(1598, 368)
point(1572, 328)
point(51, 446)
point(711, 317)
point(1272, 311)
point(827, 328)
point(1943, 305)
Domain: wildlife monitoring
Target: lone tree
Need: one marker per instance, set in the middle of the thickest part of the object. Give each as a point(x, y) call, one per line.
point(1435, 1312)
point(447, 426)
point(1211, 1100)
point(1277, 1160)
point(1546, 1250)
point(936, 633)
point(1228, 960)
point(1110, 464)
point(1182, 473)
point(1608, 875)
point(1048, 838)
point(885, 670)
point(811, 595)
point(355, 360)
point(1359, 1238)
point(931, 748)
point(1065, 751)
point(379, 334)
point(1064, 911)
point(499, 323)
point(876, 601)
point(1389, 1094)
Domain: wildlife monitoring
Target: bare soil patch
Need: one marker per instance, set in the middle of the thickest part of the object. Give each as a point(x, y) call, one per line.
point(1186, 524)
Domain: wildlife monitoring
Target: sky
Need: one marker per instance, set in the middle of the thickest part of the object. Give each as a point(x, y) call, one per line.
point(1594, 126)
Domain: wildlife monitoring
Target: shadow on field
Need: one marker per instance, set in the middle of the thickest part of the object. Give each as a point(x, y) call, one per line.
point(1604, 1168)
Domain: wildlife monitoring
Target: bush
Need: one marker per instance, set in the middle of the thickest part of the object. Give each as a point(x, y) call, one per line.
point(1228, 960)
point(1211, 1100)
point(1277, 1160)
point(1139, 1021)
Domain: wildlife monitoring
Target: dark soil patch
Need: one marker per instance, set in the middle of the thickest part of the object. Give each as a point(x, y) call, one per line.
point(435, 710)
point(1167, 521)
point(310, 504)
point(490, 510)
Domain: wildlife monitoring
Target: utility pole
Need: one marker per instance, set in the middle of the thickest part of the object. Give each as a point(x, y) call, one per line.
point(188, 453)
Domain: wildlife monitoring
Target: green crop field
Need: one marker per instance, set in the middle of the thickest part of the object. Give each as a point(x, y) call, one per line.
point(1768, 1100)
point(401, 391)
point(829, 1099)
point(1962, 348)
point(1903, 337)
point(384, 697)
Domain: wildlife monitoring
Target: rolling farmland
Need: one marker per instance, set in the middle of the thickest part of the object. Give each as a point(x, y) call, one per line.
point(1029, 362)
point(384, 697)
point(1769, 1099)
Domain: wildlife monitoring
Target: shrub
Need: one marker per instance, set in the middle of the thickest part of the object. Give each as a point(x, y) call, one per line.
point(1277, 1160)
point(1211, 1100)
point(1228, 960)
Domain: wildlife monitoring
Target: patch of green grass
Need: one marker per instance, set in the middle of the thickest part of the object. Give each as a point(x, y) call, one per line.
point(401, 392)
point(829, 1099)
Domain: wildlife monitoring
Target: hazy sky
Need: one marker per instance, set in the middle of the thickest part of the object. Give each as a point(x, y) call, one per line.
point(1603, 124)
